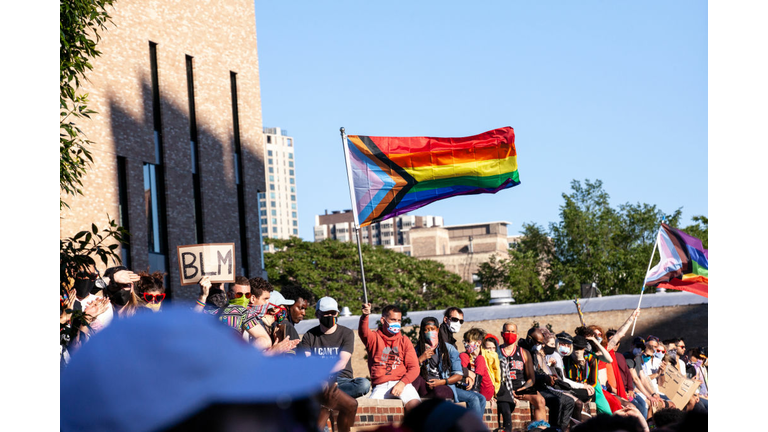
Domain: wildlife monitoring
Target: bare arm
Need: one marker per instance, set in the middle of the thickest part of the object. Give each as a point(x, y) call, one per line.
point(616, 339)
point(530, 374)
point(342, 363)
point(601, 353)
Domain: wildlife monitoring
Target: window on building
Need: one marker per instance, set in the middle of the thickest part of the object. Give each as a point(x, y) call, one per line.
point(293, 214)
point(271, 187)
point(263, 221)
point(271, 170)
point(269, 141)
point(238, 170)
point(295, 231)
point(293, 197)
point(272, 195)
point(262, 212)
point(408, 253)
point(291, 180)
point(273, 204)
point(122, 187)
point(289, 141)
point(274, 229)
point(274, 212)
point(290, 164)
point(290, 155)
point(295, 223)
point(269, 152)
point(274, 221)
point(271, 178)
point(264, 230)
point(293, 189)
point(269, 161)
point(290, 172)
point(293, 206)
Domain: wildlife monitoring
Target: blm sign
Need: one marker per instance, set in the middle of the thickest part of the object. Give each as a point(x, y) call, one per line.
point(215, 260)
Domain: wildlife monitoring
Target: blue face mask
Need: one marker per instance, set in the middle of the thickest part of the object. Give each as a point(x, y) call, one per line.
point(659, 355)
point(393, 328)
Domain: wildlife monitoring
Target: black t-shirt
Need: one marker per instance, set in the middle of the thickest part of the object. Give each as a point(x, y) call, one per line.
point(290, 330)
point(316, 343)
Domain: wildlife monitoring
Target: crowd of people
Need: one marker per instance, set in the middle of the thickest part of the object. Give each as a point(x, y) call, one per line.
point(562, 372)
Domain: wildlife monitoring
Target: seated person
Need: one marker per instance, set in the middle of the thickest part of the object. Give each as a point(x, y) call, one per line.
point(517, 380)
point(439, 364)
point(392, 360)
point(329, 339)
point(472, 359)
point(490, 352)
point(581, 367)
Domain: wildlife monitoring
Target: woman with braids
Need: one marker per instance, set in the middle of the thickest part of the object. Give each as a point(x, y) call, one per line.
point(439, 371)
point(150, 290)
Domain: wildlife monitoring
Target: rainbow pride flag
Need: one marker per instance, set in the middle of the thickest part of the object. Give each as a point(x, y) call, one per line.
point(684, 263)
point(394, 175)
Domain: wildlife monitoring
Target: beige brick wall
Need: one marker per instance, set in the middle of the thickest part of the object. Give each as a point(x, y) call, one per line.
point(222, 38)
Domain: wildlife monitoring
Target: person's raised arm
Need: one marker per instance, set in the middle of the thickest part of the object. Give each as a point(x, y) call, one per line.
point(616, 339)
point(601, 353)
point(362, 329)
point(205, 288)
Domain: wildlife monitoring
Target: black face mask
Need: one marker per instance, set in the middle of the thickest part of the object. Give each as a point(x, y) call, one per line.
point(548, 350)
point(327, 321)
point(83, 287)
point(120, 297)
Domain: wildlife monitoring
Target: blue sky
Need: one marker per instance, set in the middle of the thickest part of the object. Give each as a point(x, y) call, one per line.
point(615, 91)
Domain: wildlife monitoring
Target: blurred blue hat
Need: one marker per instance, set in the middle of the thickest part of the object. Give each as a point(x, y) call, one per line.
point(152, 371)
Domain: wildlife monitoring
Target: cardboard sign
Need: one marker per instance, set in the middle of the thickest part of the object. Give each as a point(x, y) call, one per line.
point(215, 260)
point(678, 388)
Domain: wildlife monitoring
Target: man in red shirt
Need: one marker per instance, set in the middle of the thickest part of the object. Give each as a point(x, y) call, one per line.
point(392, 359)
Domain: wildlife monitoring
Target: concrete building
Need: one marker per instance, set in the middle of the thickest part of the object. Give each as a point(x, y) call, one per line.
point(391, 233)
point(278, 207)
point(461, 248)
point(178, 153)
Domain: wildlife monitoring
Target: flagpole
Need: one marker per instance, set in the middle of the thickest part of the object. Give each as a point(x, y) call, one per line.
point(655, 245)
point(354, 212)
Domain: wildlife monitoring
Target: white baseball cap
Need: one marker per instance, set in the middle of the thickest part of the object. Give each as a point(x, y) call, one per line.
point(277, 299)
point(326, 304)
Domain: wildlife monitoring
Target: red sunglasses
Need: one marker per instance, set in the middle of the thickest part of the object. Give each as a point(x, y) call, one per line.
point(154, 298)
point(239, 294)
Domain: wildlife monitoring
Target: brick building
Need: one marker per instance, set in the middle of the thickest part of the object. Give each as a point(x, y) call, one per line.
point(178, 153)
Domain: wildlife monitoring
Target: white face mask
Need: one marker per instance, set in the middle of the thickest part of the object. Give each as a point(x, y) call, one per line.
point(563, 350)
point(454, 327)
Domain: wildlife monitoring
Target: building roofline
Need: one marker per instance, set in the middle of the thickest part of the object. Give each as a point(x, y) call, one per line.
point(476, 224)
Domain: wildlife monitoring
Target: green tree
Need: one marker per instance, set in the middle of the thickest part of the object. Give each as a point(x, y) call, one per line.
point(331, 268)
point(80, 23)
point(700, 230)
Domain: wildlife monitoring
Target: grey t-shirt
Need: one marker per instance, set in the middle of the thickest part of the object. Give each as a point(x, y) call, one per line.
point(329, 345)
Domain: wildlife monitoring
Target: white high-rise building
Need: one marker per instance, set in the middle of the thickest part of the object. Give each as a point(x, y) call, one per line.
point(278, 207)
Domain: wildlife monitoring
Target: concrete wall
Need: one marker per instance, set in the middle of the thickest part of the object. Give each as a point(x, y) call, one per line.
point(689, 322)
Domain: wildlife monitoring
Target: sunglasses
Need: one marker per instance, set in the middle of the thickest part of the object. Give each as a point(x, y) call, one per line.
point(154, 298)
point(454, 319)
point(239, 294)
